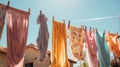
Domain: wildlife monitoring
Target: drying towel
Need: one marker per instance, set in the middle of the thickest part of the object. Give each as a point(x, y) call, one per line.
point(103, 51)
point(59, 48)
point(113, 43)
point(17, 31)
point(92, 48)
point(2, 19)
point(77, 38)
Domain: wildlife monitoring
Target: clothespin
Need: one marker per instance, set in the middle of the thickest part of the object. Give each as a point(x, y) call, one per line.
point(8, 4)
point(93, 30)
point(85, 27)
point(68, 24)
point(53, 18)
point(64, 21)
point(90, 28)
point(96, 30)
point(29, 10)
point(104, 31)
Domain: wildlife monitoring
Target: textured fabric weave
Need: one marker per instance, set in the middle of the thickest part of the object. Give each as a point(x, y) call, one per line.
point(43, 35)
point(2, 19)
point(113, 43)
point(103, 51)
point(77, 38)
point(92, 49)
point(59, 48)
point(17, 31)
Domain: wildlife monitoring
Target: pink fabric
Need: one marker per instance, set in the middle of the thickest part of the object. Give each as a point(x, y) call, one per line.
point(92, 49)
point(2, 19)
point(17, 31)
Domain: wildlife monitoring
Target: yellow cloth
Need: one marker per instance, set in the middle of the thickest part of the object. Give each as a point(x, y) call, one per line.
point(59, 49)
point(113, 43)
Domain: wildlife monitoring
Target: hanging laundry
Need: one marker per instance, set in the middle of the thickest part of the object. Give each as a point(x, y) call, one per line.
point(103, 51)
point(113, 43)
point(91, 48)
point(77, 38)
point(17, 31)
point(59, 48)
point(2, 19)
point(43, 35)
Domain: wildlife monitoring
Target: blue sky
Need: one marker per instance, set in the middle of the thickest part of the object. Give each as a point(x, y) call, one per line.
point(69, 10)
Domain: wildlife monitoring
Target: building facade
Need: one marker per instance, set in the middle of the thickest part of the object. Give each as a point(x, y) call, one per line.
point(31, 57)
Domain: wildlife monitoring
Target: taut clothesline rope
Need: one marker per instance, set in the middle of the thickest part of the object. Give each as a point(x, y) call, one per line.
point(94, 19)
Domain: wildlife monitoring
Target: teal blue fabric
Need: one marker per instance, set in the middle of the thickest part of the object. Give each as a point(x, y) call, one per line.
point(103, 51)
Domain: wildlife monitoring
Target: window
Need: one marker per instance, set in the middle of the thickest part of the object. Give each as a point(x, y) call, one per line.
point(29, 64)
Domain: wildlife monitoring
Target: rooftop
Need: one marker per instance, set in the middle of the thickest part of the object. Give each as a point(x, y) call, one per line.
point(4, 50)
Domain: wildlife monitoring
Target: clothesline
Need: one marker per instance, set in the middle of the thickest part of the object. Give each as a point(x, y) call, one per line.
point(94, 19)
point(9, 7)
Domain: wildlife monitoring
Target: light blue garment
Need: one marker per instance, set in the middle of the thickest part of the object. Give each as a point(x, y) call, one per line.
point(103, 51)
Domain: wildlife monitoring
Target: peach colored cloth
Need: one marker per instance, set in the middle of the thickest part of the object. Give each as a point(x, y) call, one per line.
point(113, 43)
point(59, 48)
point(17, 31)
point(77, 38)
point(92, 49)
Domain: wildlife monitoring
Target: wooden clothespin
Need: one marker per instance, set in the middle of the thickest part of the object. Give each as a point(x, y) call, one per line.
point(93, 30)
point(104, 31)
point(53, 18)
point(29, 10)
point(68, 24)
point(8, 4)
point(96, 30)
point(85, 27)
point(64, 21)
point(90, 28)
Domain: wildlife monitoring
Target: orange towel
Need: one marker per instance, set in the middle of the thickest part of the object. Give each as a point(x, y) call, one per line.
point(59, 49)
point(113, 43)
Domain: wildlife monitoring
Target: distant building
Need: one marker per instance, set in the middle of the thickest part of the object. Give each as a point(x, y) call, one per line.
point(31, 57)
point(3, 57)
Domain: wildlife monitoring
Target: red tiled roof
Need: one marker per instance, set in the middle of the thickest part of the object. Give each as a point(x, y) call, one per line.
point(48, 52)
point(4, 50)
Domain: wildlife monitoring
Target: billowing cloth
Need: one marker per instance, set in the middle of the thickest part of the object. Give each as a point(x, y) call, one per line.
point(77, 38)
point(17, 31)
point(59, 48)
point(113, 43)
point(92, 48)
point(103, 51)
point(43, 35)
point(2, 19)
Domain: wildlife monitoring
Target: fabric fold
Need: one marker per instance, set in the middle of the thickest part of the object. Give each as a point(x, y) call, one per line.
point(91, 48)
point(77, 39)
point(59, 48)
point(2, 19)
point(17, 31)
point(43, 36)
point(103, 51)
point(113, 43)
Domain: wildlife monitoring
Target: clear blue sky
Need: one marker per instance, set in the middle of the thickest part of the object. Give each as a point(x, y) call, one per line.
point(68, 10)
